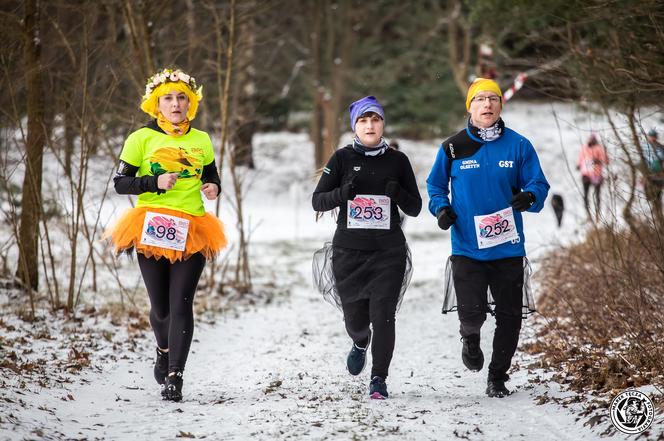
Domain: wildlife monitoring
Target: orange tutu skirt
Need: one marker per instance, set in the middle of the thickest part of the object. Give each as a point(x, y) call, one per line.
point(206, 235)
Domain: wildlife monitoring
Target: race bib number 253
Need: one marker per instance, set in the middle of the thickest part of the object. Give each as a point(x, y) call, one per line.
point(369, 211)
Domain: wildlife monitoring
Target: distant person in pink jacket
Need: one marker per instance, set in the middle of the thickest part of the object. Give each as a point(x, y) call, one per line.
point(592, 160)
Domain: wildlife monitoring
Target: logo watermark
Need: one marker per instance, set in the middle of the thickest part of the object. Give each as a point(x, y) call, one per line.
point(631, 412)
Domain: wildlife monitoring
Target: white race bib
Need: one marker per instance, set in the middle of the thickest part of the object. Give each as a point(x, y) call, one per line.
point(496, 228)
point(165, 231)
point(369, 211)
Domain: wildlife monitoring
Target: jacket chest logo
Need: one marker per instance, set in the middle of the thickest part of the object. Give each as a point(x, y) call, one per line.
point(469, 163)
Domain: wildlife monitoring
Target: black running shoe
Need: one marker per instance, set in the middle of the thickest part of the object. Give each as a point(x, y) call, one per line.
point(471, 353)
point(161, 367)
point(495, 385)
point(378, 389)
point(173, 387)
point(357, 358)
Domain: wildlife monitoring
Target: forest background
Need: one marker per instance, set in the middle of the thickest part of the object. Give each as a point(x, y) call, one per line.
point(72, 73)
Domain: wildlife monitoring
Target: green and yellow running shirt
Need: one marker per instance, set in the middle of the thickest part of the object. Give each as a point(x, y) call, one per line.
point(156, 153)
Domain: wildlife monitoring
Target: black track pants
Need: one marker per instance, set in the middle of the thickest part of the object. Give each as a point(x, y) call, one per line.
point(369, 283)
point(380, 313)
point(505, 278)
point(171, 288)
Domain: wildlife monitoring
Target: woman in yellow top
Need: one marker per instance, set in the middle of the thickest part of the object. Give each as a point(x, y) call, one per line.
point(168, 164)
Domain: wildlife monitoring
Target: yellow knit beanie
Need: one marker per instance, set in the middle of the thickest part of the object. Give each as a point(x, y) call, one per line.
point(482, 85)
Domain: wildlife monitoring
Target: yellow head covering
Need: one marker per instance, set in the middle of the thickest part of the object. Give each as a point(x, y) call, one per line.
point(482, 85)
point(167, 81)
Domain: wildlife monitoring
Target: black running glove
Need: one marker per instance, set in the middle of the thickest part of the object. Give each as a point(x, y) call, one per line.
point(348, 192)
point(446, 217)
point(522, 201)
point(392, 189)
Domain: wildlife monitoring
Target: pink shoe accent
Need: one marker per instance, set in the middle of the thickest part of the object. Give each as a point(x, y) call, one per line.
point(376, 396)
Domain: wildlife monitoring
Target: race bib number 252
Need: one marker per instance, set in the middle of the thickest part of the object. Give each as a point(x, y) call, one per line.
point(496, 228)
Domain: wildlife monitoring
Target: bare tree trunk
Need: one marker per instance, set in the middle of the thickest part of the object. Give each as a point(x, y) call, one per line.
point(242, 269)
point(245, 112)
point(331, 123)
point(330, 69)
point(627, 209)
point(70, 134)
point(191, 33)
point(66, 99)
point(223, 79)
point(139, 31)
point(223, 85)
point(242, 273)
point(459, 51)
point(55, 294)
point(339, 61)
point(31, 205)
point(317, 89)
point(77, 194)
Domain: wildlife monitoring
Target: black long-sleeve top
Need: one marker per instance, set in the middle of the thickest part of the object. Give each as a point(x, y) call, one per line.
point(370, 175)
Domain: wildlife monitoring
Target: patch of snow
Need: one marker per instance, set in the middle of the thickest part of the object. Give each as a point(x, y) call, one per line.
point(278, 371)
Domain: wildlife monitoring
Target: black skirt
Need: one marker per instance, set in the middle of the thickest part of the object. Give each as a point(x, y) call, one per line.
point(345, 275)
point(450, 297)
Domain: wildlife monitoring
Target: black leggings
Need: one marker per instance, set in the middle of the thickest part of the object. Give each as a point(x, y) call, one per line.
point(585, 180)
point(171, 288)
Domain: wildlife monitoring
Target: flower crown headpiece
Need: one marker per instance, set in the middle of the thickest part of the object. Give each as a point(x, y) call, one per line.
point(170, 76)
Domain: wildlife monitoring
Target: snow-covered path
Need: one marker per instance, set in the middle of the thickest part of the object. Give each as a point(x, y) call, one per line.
point(278, 373)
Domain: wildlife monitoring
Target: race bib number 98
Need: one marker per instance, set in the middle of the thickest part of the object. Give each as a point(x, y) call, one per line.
point(164, 231)
point(496, 228)
point(369, 211)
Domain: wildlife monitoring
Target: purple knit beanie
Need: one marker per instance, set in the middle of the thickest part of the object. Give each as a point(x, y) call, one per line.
point(362, 106)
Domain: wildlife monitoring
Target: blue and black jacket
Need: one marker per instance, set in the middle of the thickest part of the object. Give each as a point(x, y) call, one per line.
point(482, 176)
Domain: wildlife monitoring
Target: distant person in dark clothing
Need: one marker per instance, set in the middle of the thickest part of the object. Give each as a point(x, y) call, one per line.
point(369, 182)
point(558, 207)
point(654, 155)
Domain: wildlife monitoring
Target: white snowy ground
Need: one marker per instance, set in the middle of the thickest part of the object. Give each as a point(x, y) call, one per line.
point(278, 371)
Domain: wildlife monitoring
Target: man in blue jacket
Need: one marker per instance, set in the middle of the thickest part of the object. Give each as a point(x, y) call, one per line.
point(483, 178)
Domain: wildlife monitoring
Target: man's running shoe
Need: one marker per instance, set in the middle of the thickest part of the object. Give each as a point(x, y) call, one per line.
point(471, 353)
